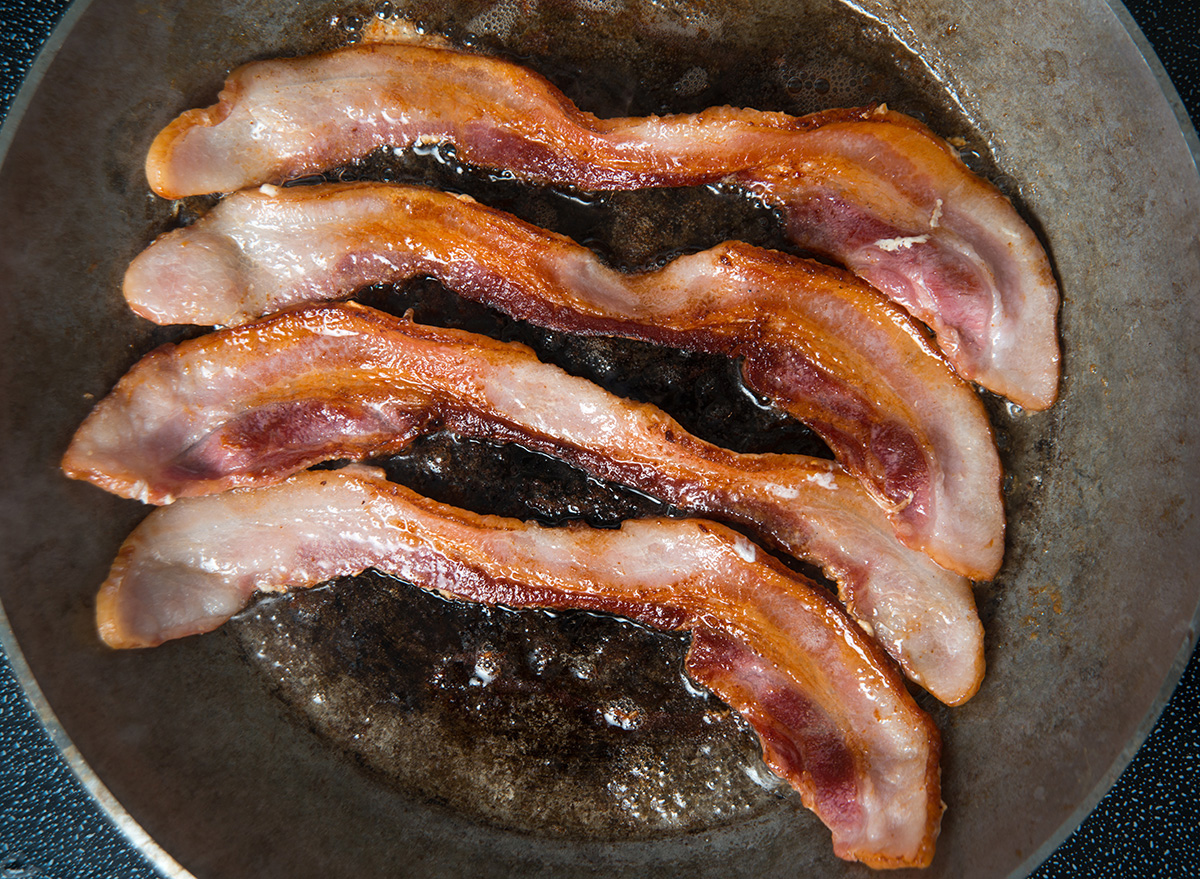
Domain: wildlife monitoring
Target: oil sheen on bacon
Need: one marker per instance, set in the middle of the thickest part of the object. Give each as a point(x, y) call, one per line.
point(869, 187)
point(836, 720)
point(254, 404)
point(816, 341)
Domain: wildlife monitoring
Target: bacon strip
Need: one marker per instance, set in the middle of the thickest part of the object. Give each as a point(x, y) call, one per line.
point(252, 405)
point(816, 341)
point(835, 719)
point(869, 187)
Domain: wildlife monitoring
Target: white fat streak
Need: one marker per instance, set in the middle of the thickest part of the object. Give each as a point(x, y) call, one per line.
point(891, 245)
point(825, 480)
point(141, 492)
point(745, 548)
point(936, 216)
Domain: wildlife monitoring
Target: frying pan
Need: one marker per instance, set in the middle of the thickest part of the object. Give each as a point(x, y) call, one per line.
point(1088, 624)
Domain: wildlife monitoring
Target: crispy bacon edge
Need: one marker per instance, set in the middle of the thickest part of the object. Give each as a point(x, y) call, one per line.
point(252, 405)
point(872, 188)
point(816, 341)
point(835, 719)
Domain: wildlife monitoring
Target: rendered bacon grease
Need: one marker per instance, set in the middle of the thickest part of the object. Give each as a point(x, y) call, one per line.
point(227, 421)
point(253, 405)
point(833, 716)
point(818, 342)
point(869, 187)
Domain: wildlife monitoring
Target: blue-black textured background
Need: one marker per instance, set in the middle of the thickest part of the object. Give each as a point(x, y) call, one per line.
point(1147, 826)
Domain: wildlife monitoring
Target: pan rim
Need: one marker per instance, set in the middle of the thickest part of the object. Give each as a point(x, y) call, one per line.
point(1171, 682)
point(100, 795)
point(163, 861)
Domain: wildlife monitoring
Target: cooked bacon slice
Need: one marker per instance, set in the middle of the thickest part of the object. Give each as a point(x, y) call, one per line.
point(869, 187)
point(815, 340)
point(836, 720)
point(252, 405)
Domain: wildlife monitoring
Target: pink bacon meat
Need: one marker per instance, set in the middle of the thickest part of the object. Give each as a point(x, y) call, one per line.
point(252, 405)
point(869, 187)
point(815, 340)
point(835, 718)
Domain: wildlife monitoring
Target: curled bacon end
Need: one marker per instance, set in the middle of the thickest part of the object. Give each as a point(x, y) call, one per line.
point(254, 404)
point(818, 342)
point(870, 187)
point(835, 719)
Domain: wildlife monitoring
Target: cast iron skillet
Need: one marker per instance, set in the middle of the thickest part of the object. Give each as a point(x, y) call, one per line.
point(217, 752)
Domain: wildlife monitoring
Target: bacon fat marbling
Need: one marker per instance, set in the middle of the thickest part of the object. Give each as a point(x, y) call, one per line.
point(817, 341)
point(836, 720)
point(870, 187)
point(254, 404)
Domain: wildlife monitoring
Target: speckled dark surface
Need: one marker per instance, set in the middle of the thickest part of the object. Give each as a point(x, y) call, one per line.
point(1147, 826)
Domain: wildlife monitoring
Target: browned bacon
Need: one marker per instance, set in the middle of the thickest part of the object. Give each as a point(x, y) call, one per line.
point(869, 187)
point(835, 719)
point(818, 342)
point(251, 405)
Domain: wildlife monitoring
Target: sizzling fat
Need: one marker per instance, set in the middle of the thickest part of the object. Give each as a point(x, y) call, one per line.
point(835, 720)
point(850, 183)
point(252, 405)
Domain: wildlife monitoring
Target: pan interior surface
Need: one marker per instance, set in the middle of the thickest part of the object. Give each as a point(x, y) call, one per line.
point(348, 731)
